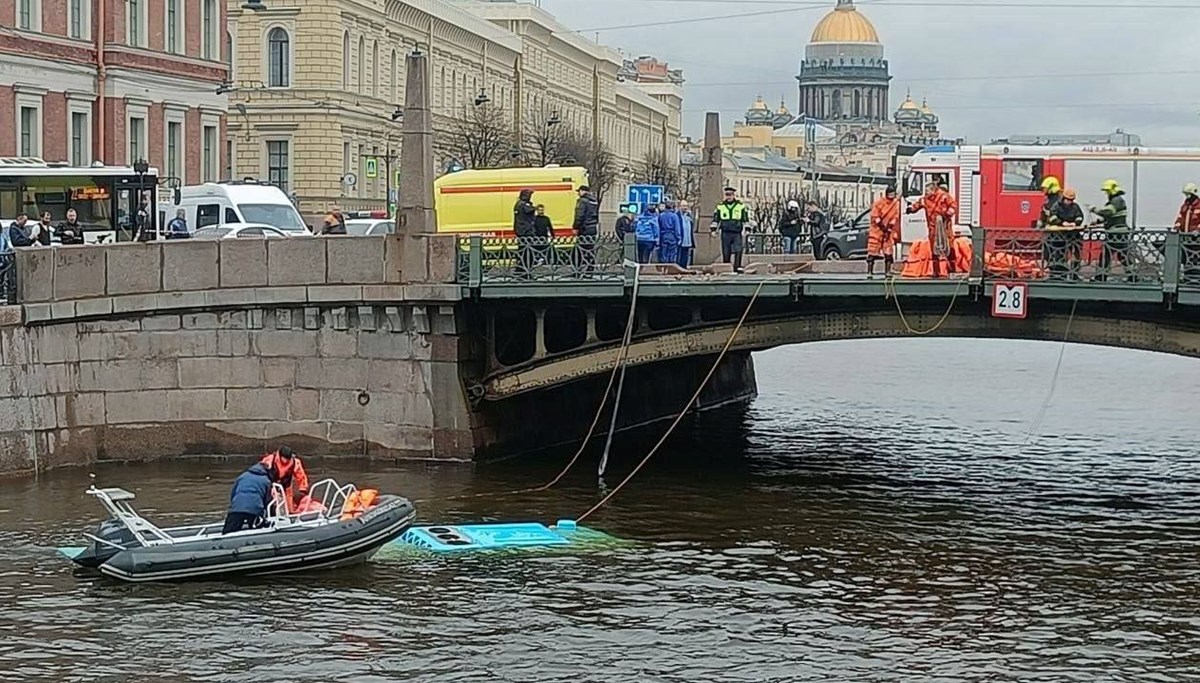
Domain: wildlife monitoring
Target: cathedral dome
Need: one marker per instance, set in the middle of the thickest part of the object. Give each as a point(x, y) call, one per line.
point(845, 24)
point(908, 111)
point(759, 112)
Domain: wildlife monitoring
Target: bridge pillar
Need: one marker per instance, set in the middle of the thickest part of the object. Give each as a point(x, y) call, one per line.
point(592, 336)
point(539, 333)
point(708, 248)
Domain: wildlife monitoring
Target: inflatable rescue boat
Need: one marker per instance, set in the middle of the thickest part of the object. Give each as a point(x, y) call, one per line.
point(337, 526)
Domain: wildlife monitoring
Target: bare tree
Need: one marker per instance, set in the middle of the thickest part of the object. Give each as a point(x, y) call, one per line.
point(481, 137)
point(689, 183)
point(576, 148)
point(657, 169)
point(543, 136)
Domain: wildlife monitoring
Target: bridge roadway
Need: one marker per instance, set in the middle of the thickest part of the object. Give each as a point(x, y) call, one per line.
point(428, 346)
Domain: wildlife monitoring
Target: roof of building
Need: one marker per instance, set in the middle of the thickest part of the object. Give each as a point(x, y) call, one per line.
point(845, 24)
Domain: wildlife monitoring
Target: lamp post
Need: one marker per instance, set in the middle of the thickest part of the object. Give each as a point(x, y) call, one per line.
point(140, 167)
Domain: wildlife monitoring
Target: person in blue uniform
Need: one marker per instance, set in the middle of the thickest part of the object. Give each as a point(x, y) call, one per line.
point(249, 498)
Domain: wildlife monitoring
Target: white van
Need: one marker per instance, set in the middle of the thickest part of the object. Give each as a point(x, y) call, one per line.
point(238, 201)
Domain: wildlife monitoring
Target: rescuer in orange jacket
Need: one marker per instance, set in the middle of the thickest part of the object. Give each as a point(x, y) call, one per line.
point(1189, 213)
point(289, 473)
point(884, 232)
point(940, 208)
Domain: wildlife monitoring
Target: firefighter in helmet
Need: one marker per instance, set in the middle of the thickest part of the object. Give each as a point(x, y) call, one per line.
point(1112, 218)
point(1189, 213)
point(1053, 191)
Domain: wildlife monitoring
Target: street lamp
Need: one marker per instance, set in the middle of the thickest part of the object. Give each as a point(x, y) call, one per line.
point(482, 98)
point(254, 5)
point(398, 113)
point(554, 120)
point(140, 167)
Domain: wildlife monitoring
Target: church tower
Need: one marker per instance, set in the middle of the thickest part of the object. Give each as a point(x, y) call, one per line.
point(843, 76)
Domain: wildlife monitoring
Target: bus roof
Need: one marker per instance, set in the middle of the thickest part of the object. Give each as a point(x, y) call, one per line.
point(32, 166)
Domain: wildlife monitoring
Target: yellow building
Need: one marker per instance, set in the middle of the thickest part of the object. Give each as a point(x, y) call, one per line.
point(317, 88)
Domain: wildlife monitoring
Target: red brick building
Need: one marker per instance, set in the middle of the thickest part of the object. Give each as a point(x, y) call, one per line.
point(116, 81)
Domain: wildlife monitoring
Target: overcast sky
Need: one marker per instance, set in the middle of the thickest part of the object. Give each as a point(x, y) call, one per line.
point(972, 58)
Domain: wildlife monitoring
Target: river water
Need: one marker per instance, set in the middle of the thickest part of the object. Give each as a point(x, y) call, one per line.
point(879, 514)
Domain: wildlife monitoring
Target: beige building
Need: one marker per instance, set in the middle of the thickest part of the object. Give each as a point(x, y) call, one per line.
point(317, 89)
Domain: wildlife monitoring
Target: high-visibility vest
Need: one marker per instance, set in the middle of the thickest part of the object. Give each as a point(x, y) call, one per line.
point(731, 212)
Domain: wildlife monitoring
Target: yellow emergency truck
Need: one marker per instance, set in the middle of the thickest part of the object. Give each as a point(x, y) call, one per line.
point(480, 201)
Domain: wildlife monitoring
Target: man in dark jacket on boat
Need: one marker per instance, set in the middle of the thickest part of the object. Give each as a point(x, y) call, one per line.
point(249, 498)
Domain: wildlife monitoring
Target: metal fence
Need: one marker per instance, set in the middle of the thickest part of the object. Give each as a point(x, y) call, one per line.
point(485, 260)
point(772, 244)
point(1086, 255)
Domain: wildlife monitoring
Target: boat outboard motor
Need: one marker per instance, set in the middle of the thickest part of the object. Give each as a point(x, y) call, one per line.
point(113, 531)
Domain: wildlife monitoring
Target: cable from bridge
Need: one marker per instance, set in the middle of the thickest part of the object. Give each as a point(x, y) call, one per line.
point(1040, 418)
point(618, 368)
point(679, 418)
point(889, 287)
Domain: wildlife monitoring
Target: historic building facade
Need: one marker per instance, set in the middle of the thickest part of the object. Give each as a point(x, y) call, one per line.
point(115, 82)
point(317, 89)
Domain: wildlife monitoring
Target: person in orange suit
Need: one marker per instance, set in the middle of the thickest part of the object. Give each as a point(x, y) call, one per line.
point(940, 208)
point(1189, 213)
point(884, 232)
point(289, 473)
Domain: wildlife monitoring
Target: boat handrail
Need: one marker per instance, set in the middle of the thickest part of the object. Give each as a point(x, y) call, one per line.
point(333, 496)
point(116, 501)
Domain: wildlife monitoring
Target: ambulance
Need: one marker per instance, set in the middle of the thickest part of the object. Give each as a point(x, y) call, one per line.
point(999, 186)
point(480, 201)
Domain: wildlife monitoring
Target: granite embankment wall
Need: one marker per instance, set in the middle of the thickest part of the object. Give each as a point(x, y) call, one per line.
point(148, 350)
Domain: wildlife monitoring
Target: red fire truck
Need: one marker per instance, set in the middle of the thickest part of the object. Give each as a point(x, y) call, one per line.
point(999, 186)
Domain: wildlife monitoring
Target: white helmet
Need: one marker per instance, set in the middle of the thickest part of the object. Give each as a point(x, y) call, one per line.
point(793, 204)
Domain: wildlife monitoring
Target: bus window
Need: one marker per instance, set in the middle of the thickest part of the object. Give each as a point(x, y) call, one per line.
point(1022, 175)
point(208, 214)
point(230, 216)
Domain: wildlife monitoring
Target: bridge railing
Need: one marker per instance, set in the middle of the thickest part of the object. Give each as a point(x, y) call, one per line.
point(489, 260)
point(1137, 257)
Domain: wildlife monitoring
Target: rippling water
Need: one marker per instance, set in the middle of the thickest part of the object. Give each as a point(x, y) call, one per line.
point(876, 515)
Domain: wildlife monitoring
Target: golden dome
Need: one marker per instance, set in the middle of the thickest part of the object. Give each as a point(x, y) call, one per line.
point(908, 103)
point(925, 107)
point(759, 104)
point(782, 108)
point(845, 25)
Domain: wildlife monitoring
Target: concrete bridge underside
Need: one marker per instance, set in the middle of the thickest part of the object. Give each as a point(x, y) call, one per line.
point(772, 325)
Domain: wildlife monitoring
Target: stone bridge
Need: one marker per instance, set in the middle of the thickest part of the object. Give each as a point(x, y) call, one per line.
point(420, 346)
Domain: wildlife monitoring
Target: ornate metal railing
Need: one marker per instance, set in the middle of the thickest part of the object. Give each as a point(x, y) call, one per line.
point(487, 260)
point(772, 243)
point(8, 279)
point(1084, 255)
point(1189, 259)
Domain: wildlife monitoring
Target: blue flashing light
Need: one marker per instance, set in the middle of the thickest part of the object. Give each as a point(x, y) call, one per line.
point(937, 149)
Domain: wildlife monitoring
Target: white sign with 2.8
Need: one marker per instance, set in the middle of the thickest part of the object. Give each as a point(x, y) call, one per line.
point(1010, 300)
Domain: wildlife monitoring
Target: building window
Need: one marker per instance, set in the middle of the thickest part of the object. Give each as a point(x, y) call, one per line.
point(208, 29)
point(345, 158)
point(229, 151)
point(174, 27)
point(346, 60)
point(29, 134)
point(78, 20)
point(29, 15)
point(362, 63)
point(278, 163)
point(278, 58)
point(137, 139)
point(209, 154)
point(395, 77)
point(229, 50)
point(136, 20)
point(80, 132)
point(375, 69)
point(174, 149)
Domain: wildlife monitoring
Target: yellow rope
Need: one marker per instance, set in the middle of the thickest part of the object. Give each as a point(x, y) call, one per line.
point(889, 286)
point(679, 418)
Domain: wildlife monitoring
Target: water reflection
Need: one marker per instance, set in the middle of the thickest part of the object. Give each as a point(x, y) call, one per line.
point(876, 520)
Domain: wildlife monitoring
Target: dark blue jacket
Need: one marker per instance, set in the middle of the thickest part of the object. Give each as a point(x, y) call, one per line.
point(646, 227)
point(670, 228)
point(251, 491)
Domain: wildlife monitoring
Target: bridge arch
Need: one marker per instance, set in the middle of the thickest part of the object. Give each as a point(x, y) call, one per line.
point(1092, 327)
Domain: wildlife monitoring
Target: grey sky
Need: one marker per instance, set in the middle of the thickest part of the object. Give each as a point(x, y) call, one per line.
point(955, 55)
